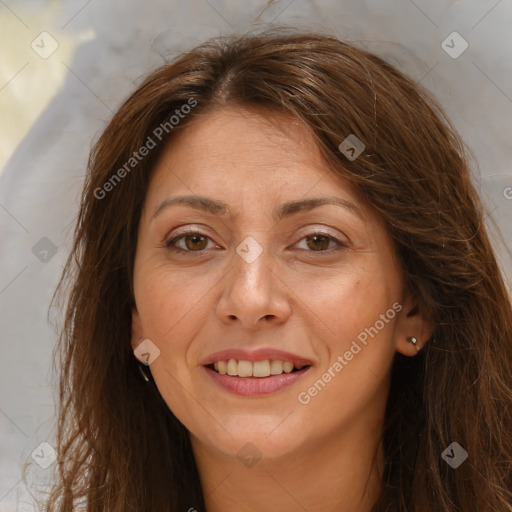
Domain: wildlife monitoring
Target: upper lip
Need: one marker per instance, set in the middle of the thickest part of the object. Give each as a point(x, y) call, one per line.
point(260, 354)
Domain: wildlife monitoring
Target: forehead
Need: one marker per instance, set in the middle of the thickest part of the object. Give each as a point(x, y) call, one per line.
point(246, 149)
point(236, 135)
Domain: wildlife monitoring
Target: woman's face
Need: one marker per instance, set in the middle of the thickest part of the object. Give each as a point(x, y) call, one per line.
point(252, 255)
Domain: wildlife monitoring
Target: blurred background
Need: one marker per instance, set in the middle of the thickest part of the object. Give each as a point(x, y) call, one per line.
point(65, 67)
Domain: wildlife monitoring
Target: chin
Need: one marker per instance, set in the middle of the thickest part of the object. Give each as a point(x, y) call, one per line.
point(265, 437)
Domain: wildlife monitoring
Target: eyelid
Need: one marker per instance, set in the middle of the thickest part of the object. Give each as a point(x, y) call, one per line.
point(320, 229)
point(186, 232)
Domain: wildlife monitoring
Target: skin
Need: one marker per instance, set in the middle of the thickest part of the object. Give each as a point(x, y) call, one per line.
point(298, 295)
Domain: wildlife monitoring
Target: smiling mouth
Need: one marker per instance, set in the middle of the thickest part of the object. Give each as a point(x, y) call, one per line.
point(258, 369)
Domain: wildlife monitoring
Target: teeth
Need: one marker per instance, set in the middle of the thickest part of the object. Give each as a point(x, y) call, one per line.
point(232, 367)
point(261, 368)
point(244, 369)
point(276, 367)
point(265, 368)
point(223, 367)
point(287, 367)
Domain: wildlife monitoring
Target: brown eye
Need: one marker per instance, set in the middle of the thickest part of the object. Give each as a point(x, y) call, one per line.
point(193, 242)
point(318, 242)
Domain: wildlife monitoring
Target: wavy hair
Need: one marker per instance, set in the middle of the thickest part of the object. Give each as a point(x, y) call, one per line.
point(120, 447)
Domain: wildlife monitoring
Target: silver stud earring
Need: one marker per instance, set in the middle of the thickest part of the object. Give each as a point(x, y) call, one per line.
point(414, 341)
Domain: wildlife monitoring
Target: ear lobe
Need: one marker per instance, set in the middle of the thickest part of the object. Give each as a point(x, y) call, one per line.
point(137, 334)
point(411, 323)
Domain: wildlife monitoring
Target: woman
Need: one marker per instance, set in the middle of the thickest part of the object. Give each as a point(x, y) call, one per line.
point(284, 296)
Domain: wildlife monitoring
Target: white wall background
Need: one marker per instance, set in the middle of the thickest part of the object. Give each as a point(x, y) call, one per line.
point(53, 105)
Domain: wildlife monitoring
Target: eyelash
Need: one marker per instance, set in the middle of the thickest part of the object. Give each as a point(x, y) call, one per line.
point(171, 244)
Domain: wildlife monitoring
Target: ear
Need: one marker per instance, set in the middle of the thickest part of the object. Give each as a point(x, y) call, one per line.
point(137, 334)
point(411, 323)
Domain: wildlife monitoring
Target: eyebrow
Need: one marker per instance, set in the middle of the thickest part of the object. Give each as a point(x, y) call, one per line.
point(217, 207)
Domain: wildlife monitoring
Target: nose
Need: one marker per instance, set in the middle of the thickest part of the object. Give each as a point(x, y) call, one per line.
point(254, 295)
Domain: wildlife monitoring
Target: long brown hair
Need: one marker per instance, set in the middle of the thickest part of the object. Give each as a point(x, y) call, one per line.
point(120, 447)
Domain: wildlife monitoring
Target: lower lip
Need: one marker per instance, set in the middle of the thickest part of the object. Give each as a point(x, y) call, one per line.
point(255, 386)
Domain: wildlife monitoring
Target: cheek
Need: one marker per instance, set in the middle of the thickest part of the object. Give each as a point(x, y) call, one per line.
point(352, 317)
point(172, 309)
point(168, 299)
point(343, 303)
